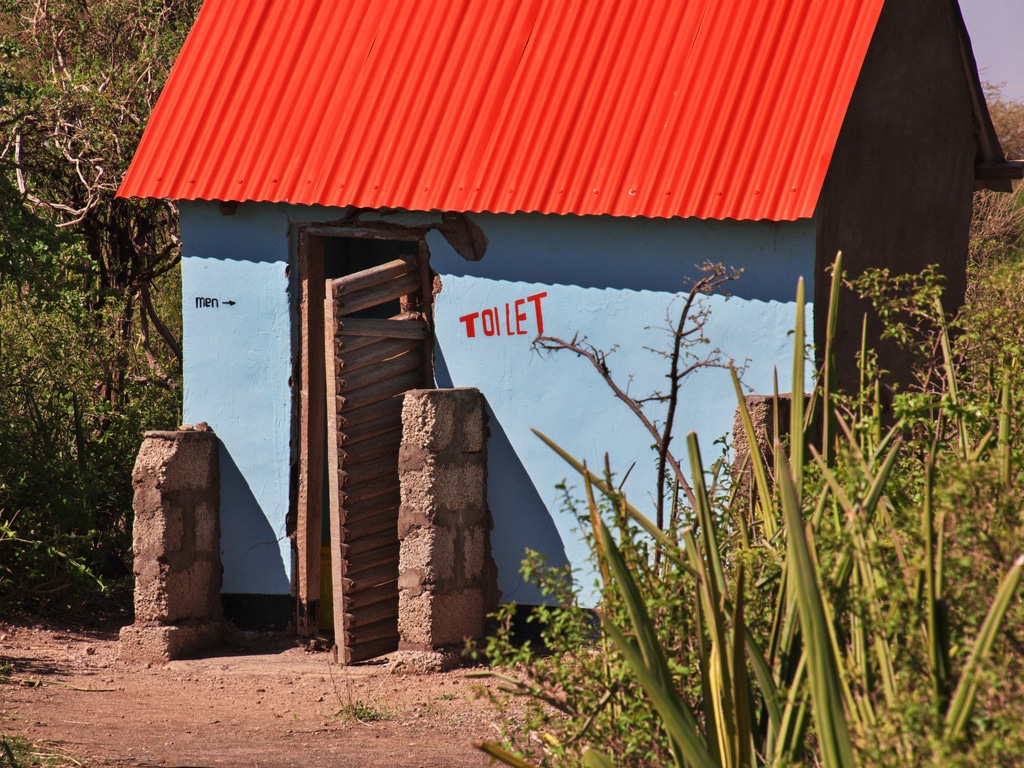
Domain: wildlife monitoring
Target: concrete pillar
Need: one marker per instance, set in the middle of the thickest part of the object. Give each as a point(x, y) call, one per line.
point(447, 581)
point(177, 547)
point(763, 417)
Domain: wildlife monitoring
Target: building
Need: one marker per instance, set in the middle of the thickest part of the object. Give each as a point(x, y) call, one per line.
point(538, 167)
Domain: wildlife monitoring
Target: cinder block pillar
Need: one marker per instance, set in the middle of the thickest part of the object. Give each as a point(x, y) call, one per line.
point(447, 581)
point(764, 418)
point(177, 547)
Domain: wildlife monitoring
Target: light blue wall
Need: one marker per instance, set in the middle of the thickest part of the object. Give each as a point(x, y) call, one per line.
point(237, 370)
point(611, 280)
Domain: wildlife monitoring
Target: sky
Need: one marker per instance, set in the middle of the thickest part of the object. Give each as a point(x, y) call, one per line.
point(996, 28)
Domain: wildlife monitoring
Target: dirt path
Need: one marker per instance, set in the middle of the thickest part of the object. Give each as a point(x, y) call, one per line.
point(276, 705)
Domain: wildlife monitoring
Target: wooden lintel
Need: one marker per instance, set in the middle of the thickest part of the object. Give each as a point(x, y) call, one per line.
point(388, 231)
point(382, 631)
point(392, 406)
point(353, 360)
point(367, 471)
point(380, 611)
point(374, 393)
point(372, 597)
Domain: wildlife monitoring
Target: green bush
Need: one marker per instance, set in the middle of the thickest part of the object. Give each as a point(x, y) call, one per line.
point(66, 449)
point(90, 298)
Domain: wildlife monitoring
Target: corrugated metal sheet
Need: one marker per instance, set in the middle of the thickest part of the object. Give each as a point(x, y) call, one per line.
point(660, 108)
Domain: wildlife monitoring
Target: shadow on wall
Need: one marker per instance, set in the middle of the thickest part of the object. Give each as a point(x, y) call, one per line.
point(249, 546)
point(521, 519)
point(635, 254)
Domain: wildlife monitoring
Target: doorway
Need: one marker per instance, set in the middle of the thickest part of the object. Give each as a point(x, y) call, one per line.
point(367, 342)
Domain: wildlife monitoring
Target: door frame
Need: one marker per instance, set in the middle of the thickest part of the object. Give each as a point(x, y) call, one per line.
point(310, 406)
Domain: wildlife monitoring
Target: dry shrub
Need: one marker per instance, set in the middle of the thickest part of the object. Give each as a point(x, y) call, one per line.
point(997, 226)
point(1008, 119)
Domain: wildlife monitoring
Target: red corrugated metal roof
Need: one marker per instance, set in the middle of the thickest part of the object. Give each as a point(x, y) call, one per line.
point(705, 108)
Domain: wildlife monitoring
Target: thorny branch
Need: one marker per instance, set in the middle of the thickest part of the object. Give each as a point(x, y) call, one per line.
point(686, 331)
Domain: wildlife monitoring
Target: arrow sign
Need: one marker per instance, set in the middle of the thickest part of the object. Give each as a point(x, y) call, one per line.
point(208, 302)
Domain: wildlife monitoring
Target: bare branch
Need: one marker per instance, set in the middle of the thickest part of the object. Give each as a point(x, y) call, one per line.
point(685, 331)
point(598, 359)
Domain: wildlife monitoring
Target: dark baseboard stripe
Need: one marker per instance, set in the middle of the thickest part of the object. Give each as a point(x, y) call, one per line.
point(258, 613)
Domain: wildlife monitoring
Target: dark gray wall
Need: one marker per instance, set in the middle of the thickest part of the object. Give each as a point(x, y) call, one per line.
point(898, 190)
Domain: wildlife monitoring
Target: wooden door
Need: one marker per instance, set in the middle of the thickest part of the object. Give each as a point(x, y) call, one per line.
point(370, 362)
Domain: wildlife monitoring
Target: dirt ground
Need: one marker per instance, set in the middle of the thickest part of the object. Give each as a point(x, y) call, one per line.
point(274, 702)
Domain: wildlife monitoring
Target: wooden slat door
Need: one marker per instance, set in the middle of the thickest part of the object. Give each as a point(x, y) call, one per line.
point(370, 362)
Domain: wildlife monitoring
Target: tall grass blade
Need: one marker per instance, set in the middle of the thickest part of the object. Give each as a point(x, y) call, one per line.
point(740, 681)
point(828, 372)
point(789, 738)
point(796, 421)
point(952, 383)
point(875, 490)
point(938, 633)
point(765, 680)
point(646, 658)
point(719, 706)
point(862, 370)
point(877, 641)
point(595, 519)
point(704, 515)
point(967, 690)
point(677, 720)
point(823, 666)
point(764, 494)
point(843, 568)
point(1004, 434)
point(499, 753)
point(705, 610)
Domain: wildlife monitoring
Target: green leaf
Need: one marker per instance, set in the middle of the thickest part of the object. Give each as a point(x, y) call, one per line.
point(498, 752)
point(594, 759)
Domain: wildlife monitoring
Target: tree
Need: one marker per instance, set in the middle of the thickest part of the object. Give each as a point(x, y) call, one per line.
point(89, 284)
point(87, 75)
